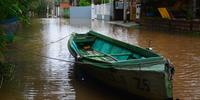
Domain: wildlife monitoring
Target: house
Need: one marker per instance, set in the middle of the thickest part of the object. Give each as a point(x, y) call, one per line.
point(124, 10)
point(117, 10)
point(184, 9)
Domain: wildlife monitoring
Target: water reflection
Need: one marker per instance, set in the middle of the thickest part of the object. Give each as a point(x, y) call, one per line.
point(183, 50)
point(40, 78)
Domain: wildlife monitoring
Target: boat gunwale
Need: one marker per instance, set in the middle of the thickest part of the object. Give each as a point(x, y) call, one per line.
point(119, 65)
point(116, 42)
point(121, 68)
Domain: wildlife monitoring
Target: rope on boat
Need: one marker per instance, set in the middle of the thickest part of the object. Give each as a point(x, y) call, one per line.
point(36, 54)
point(57, 40)
point(58, 59)
point(52, 41)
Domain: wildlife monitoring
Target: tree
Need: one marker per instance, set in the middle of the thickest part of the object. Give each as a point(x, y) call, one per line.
point(84, 3)
point(14, 8)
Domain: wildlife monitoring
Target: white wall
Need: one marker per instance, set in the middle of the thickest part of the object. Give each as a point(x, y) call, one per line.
point(103, 11)
point(80, 12)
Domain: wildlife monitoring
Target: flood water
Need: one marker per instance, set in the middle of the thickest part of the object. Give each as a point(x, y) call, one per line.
point(39, 78)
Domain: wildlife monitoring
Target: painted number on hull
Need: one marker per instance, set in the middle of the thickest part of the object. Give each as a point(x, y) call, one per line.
point(142, 84)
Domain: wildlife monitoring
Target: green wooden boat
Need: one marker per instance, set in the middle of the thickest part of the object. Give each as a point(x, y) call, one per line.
point(123, 66)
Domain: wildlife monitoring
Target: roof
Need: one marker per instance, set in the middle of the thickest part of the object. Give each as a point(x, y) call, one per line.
point(64, 5)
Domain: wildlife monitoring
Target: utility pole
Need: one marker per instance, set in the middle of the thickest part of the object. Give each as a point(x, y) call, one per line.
point(124, 11)
point(75, 3)
point(113, 9)
point(92, 10)
point(47, 10)
point(194, 9)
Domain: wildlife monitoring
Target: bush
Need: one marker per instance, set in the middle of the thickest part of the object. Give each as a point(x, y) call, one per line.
point(14, 8)
point(6, 72)
point(84, 3)
point(2, 40)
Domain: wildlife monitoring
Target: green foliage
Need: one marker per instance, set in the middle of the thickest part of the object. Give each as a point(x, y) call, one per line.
point(2, 45)
point(2, 40)
point(14, 8)
point(66, 13)
point(6, 69)
point(6, 72)
point(101, 1)
point(39, 7)
point(1, 57)
point(84, 3)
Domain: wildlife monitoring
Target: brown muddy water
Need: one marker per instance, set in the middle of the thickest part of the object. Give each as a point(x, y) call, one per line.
point(38, 78)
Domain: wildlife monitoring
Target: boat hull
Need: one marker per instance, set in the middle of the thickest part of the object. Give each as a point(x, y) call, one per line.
point(149, 85)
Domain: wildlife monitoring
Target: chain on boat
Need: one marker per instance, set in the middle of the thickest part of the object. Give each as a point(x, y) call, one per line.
point(170, 69)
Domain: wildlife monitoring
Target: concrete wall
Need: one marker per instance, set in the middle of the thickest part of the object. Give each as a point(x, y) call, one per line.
point(174, 25)
point(80, 12)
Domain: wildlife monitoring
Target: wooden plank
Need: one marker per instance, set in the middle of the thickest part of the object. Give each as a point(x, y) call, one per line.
point(121, 54)
point(164, 13)
point(96, 54)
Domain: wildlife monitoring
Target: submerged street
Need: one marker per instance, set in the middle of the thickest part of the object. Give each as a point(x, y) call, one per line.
point(39, 78)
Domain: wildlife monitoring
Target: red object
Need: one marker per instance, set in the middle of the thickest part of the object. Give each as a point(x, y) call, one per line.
point(64, 5)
